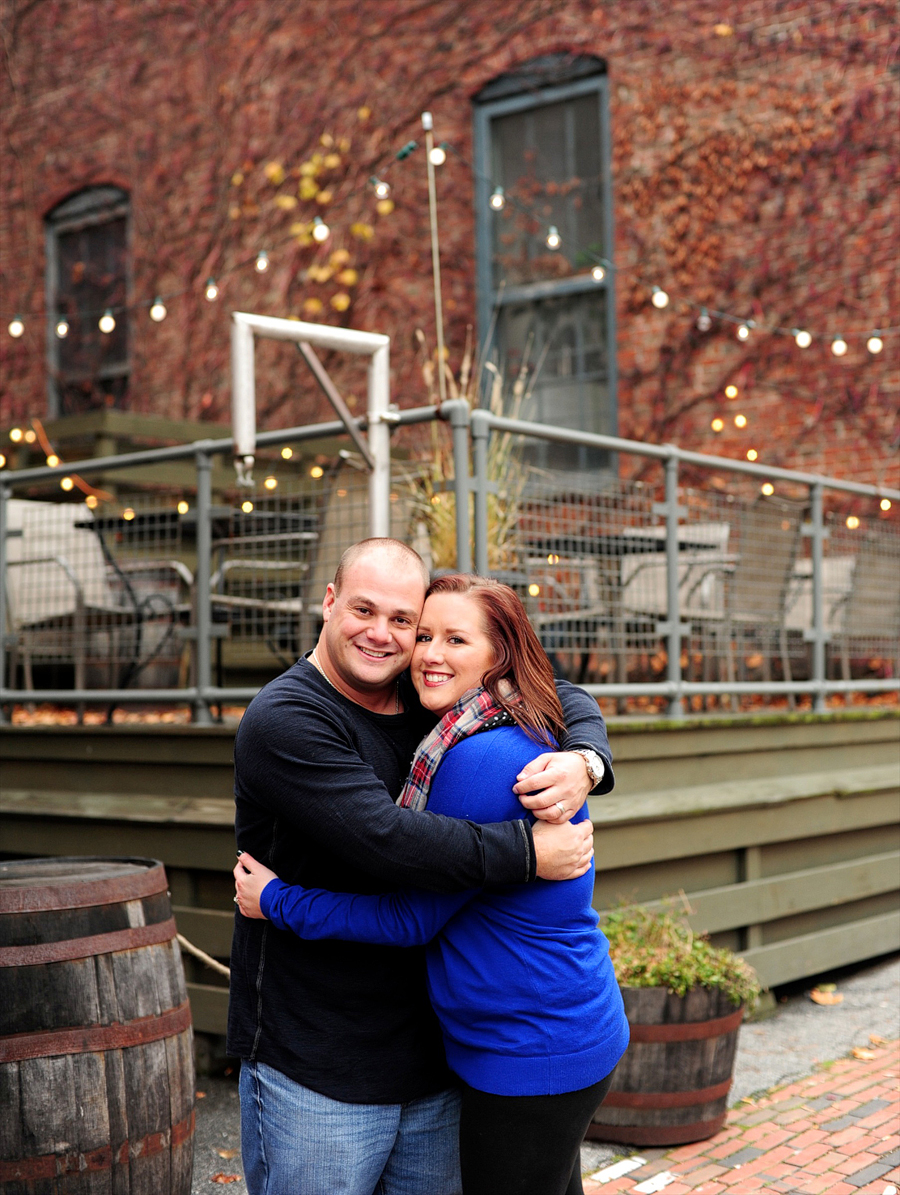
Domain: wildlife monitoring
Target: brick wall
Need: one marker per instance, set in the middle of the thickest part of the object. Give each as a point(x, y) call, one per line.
point(755, 171)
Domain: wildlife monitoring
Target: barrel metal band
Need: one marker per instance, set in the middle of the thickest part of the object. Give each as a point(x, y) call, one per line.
point(72, 948)
point(83, 894)
point(94, 1038)
point(667, 1099)
point(688, 1030)
point(103, 1158)
point(656, 1134)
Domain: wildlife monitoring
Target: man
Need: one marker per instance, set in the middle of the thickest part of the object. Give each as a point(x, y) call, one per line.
point(344, 1087)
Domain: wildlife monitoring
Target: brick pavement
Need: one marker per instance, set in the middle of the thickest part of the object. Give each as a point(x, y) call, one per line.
point(834, 1132)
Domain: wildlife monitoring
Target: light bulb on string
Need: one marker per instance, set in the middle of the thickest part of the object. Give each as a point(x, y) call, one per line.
point(158, 311)
point(30, 436)
point(717, 424)
point(767, 488)
point(740, 421)
point(66, 483)
point(16, 327)
point(247, 507)
point(16, 435)
point(287, 453)
point(52, 460)
point(731, 391)
point(598, 273)
point(553, 237)
point(316, 472)
point(212, 290)
point(704, 323)
point(852, 522)
point(874, 344)
point(802, 338)
point(885, 504)
point(92, 501)
point(839, 346)
point(743, 332)
point(380, 187)
point(262, 261)
point(752, 454)
point(62, 327)
point(183, 507)
point(271, 483)
point(659, 298)
point(107, 321)
point(320, 230)
point(128, 514)
point(498, 199)
point(438, 155)
point(2, 461)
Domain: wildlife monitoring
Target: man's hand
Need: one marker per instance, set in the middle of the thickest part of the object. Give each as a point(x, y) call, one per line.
point(554, 786)
point(250, 878)
point(563, 852)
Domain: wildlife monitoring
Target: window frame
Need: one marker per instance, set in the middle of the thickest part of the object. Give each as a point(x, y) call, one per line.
point(489, 299)
point(85, 208)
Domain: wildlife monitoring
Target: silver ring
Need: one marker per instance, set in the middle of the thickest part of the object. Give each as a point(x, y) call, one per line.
point(236, 901)
point(561, 808)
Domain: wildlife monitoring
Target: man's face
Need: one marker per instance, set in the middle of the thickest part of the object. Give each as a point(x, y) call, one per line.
point(370, 626)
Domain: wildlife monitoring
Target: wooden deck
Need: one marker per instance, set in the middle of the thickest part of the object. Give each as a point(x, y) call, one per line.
point(780, 833)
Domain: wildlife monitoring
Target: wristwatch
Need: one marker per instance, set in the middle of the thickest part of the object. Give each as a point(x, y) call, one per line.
point(594, 764)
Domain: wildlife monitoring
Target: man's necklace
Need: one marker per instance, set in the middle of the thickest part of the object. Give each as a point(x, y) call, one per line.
point(314, 660)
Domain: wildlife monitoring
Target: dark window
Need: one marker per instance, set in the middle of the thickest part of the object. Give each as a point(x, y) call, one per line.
point(87, 276)
point(541, 134)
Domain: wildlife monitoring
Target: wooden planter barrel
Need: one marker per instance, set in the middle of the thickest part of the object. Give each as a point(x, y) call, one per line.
point(96, 1064)
point(672, 1085)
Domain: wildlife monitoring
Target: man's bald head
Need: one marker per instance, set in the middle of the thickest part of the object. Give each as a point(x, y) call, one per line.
point(393, 553)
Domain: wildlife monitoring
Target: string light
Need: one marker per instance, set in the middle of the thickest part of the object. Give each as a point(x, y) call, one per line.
point(381, 188)
point(885, 504)
point(874, 344)
point(271, 483)
point(852, 522)
point(553, 237)
point(438, 155)
point(183, 507)
point(659, 298)
point(752, 454)
point(128, 514)
point(740, 421)
point(16, 327)
point(262, 262)
point(839, 346)
point(534, 590)
point(717, 424)
point(247, 506)
point(767, 488)
point(52, 460)
point(92, 501)
point(30, 436)
point(704, 323)
point(598, 273)
point(107, 321)
point(498, 199)
point(743, 332)
point(287, 453)
point(62, 328)
point(66, 483)
point(16, 435)
point(320, 230)
point(317, 471)
point(212, 291)
point(158, 311)
point(802, 337)
point(731, 391)
point(2, 461)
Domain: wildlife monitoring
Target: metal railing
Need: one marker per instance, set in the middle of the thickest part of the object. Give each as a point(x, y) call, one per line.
point(645, 588)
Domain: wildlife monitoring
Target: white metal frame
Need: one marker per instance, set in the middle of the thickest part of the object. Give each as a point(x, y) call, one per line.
point(244, 327)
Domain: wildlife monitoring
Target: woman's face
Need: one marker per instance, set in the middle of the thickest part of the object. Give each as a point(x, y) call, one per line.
point(452, 652)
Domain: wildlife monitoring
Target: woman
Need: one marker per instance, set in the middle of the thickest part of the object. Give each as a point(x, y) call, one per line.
point(519, 977)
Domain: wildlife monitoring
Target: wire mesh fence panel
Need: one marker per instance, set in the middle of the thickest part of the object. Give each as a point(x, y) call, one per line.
point(862, 599)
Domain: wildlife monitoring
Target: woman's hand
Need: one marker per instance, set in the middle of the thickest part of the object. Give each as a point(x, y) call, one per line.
point(554, 786)
point(250, 878)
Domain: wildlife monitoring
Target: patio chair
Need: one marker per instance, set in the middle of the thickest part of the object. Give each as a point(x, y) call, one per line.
point(868, 615)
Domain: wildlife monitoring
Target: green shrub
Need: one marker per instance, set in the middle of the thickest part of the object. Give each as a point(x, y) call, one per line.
point(650, 949)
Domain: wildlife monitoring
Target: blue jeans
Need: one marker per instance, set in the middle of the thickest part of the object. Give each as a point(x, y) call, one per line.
point(297, 1142)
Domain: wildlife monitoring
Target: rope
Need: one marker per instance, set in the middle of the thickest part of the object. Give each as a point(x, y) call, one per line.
point(202, 955)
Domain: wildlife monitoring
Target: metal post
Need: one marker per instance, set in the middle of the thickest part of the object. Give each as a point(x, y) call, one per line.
point(673, 626)
point(203, 608)
point(459, 422)
point(427, 125)
point(4, 495)
point(481, 434)
point(379, 381)
point(819, 636)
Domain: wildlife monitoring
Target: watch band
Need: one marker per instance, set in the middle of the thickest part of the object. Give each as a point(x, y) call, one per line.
point(593, 762)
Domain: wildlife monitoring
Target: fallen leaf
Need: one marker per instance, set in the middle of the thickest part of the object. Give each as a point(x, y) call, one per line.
point(228, 1153)
point(224, 1178)
point(821, 997)
point(860, 1052)
point(876, 1040)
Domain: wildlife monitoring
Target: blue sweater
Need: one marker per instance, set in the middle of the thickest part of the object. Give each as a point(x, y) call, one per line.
point(518, 975)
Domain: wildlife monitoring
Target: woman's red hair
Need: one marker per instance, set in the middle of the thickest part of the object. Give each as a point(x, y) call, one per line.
point(518, 655)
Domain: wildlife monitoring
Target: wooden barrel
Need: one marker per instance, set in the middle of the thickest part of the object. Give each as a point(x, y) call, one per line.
point(672, 1085)
point(96, 1065)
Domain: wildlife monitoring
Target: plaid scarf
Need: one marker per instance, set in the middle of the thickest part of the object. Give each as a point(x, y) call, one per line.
point(476, 710)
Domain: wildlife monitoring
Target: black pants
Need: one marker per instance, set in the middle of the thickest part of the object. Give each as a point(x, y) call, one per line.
point(525, 1144)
